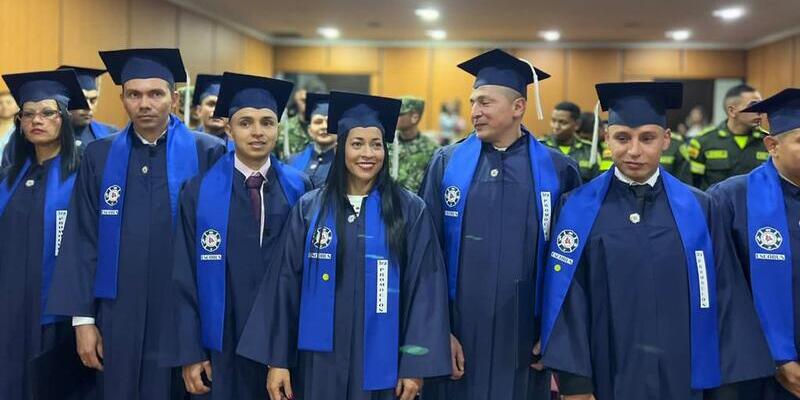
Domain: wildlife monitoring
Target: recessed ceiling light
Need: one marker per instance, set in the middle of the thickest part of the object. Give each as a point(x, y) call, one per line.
point(550, 36)
point(437, 34)
point(328, 32)
point(427, 14)
point(679, 35)
point(730, 13)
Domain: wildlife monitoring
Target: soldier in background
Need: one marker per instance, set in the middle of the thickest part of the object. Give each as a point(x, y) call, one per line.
point(412, 151)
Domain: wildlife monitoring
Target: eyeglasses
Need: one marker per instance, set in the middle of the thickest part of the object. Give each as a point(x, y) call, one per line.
point(46, 114)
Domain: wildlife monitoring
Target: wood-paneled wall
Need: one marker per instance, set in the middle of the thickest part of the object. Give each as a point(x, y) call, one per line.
point(431, 73)
point(775, 66)
point(72, 31)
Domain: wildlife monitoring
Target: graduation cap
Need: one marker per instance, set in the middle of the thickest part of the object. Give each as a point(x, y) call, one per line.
point(238, 91)
point(782, 109)
point(87, 77)
point(317, 104)
point(496, 67)
point(353, 110)
point(639, 103)
point(124, 65)
point(61, 86)
point(205, 85)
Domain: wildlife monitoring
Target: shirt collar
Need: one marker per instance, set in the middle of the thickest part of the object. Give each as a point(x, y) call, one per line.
point(628, 181)
point(247, 171)
point(146, 142)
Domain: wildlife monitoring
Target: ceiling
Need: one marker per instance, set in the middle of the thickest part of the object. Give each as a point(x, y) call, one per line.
point(579, 21)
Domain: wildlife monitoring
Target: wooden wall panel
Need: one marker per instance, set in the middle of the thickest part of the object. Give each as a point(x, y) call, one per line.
point(352, 60)
point(153, 23)
point(39, 47)
point(448, 82)
point(228, 48)
point(300, 59)
point(796, 80)
point(89, 26)
point(196, 41)
point(755, 67)
point(644, 64)
point(256, 57)
point(722, 64)
point(406, 71)
point(553, 89)
point(587, 68)
point(778, 67)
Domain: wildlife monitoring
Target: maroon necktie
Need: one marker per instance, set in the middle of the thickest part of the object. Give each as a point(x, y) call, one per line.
point(253, 184)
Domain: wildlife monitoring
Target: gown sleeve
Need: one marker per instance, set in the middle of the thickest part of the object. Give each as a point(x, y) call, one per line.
point(425, 323)
point(182, 341)
point(270, 334)
point(72, 288)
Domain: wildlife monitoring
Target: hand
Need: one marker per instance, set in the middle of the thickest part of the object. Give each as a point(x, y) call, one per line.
point(193, 379)
point(456, 358)
point(579, 397)
point(279, 384)
point(537, 353)
point(788, 375)
point(408, 388)
point(89, 344)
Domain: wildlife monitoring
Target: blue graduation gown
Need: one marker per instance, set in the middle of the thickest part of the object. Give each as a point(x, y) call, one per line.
point(234, 377)
point(131, 323)
point(270, 336)
point(90, 133)
point(317, 167)
point(732, 196)
point(22, 337)
point(493, 314)
point(624, 324)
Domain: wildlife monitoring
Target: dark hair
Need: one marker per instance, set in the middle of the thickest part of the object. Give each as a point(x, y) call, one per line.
point(572, 108)
point(737, 91)
point(24, 150)
point(334, 197)
point(586, 123)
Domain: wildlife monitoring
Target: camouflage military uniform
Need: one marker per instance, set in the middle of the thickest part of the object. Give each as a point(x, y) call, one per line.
point(415, 154)
point(581, 152)
point(715, 155)
point(296, 131)
point(414, 157)
point(675, 159)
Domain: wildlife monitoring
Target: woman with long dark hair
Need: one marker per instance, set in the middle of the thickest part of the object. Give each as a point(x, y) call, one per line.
point(355, 305)
point(37, 350)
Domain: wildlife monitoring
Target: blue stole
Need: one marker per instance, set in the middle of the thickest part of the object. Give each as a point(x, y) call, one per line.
point(211, 236)
point(301, 160)
point(99, 130)
point(455, 189)
point(57, 195)
point(575, 226)
point(182, 164)
point(381, 295)
point(771, 260)
point(230, 145)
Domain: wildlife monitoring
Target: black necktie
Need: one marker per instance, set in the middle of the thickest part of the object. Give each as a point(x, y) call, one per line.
point(642, 193)
point(253, 184)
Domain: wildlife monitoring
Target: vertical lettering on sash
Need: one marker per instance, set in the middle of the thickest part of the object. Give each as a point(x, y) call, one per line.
point(702, 278)
point(382, 292)
point(546, 214)
point(61, 220)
